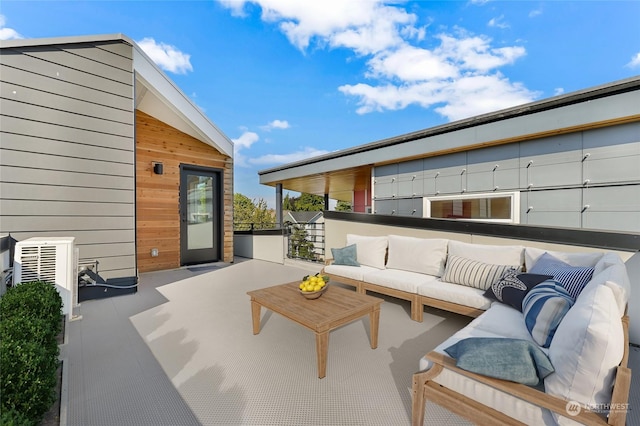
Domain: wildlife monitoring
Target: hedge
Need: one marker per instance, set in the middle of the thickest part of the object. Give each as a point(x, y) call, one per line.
point(30, 320)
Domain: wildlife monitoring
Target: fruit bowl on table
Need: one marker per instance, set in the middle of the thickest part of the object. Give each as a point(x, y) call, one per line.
point(312, 287)
point(313, 294)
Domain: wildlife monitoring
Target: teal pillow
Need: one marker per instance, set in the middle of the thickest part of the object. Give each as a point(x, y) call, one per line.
point(516, 360)
point(345, 256)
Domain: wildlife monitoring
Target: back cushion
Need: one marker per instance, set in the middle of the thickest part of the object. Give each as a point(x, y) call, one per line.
point(531, 255)
point(586, 349)
point(502, 255)
point(422, 255)
point(371, 251)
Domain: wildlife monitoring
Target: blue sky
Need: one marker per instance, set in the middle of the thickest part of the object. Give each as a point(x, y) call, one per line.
point(289, 79)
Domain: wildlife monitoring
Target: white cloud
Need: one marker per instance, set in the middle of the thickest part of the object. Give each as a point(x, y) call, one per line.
point(7, 33)
point(498, 22)
point(635, 61)
point(167, 57)
point(244, 141)
point(534, 13)
point(276, 124)
point(558, 91)
point(303, 154)
point(403, 66)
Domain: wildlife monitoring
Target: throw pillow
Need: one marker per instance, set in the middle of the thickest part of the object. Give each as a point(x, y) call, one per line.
point(516, 360)
point(511, 288)
point(544, 307)
point(572, 278)
point(471, 273)
point(345, 256)
point(371, 250)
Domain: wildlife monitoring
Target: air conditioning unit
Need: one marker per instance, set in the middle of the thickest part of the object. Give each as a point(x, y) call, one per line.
point(52, 259)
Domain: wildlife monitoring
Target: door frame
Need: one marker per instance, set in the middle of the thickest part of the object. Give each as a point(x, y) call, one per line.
point(218, 209)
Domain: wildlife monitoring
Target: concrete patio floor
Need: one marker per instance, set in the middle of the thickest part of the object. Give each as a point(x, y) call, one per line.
point(181, 352)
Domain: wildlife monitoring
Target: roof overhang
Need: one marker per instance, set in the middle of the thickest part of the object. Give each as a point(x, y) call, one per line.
point(340, 173)
point(155, 93)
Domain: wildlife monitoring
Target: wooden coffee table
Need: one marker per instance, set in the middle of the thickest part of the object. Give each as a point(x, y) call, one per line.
point(336, 307)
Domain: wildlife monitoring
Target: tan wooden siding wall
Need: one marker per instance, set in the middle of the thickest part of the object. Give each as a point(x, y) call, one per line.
point(157, 196)
point(67, 148)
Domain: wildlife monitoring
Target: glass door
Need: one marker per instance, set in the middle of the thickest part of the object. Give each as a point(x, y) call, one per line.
point(200, 215)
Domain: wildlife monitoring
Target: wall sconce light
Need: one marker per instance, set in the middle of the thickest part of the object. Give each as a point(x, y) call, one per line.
point(157, 168)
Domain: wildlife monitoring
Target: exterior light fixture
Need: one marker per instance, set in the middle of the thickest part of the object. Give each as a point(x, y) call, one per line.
point(158, 168)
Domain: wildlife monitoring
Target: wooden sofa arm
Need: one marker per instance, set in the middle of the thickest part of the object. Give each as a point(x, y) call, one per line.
point(479, 413)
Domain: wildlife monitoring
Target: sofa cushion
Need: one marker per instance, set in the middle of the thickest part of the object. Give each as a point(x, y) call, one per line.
point(616, 278)
point(588, 347)
point(398, 279)
point(353, 272)
point(502, 255)
point(544, 307)
point(371, 250)
point(513, 286)
point(520, 361)
point(504, 321)
point(345, 256)
point(455, 293)
point(572, 278)
point(464, 271)
point(426, 256)
point(531, 255)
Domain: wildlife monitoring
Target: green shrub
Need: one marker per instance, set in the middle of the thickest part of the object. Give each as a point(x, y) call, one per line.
point(30, 320)
point(14, 418)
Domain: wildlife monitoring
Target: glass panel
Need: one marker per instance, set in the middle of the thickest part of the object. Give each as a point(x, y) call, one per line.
point(472, 208)
point(199, 212)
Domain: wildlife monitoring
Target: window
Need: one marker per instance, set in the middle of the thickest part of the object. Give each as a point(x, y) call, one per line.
point(501, 207)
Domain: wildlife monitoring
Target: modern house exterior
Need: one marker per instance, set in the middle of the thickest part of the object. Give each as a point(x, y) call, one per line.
point(97, 143)
point(569, 161)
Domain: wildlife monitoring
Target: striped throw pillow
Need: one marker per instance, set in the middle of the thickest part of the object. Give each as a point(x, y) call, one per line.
point(471, 273)
point(543, 309)
point(572, 278)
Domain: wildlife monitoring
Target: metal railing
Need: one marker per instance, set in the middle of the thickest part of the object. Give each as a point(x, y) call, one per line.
point(305, 241)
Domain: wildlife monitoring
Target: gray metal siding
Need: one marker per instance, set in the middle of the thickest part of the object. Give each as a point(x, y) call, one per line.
point(588, 179)
point(67, 148)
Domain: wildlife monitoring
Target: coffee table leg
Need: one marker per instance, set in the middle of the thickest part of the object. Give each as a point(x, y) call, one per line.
point(374, 321)
point(322, 348)
point(255, 316)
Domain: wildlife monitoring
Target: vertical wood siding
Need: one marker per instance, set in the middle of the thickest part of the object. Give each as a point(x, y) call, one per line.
point(157, 196)
point(67, 148)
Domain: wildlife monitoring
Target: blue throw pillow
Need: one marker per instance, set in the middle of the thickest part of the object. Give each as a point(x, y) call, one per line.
point(544, 307)
point(516, 360)
point(345, 256)
point(512, 286)
point(572, 278)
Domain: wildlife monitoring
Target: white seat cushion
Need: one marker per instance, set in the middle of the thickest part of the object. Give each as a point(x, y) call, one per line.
point(505, 321)
point(455, 293)
point(398, 279)
point(353, 272)
point(497, 255)
point(423, 255)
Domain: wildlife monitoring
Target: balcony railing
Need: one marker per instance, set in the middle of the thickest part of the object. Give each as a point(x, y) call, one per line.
point(305, 241)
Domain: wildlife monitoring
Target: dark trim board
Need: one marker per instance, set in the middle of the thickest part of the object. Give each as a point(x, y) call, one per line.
point(578, 237)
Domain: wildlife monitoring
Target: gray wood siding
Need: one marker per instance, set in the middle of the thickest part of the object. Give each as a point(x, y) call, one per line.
point(67, 150)
point(588, 179)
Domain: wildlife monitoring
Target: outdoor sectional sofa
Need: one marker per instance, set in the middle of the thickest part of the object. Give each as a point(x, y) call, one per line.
point(549, 342)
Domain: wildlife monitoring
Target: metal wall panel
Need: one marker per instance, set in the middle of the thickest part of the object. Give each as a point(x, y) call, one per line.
point(385, 206)
point(67, 151)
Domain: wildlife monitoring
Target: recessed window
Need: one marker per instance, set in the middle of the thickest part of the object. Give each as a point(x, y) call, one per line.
point(501, 207)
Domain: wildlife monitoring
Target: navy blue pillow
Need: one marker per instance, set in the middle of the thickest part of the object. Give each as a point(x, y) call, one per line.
point(512, 287)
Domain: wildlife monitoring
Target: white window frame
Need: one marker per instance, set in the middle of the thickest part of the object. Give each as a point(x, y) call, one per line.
point(515, 204)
